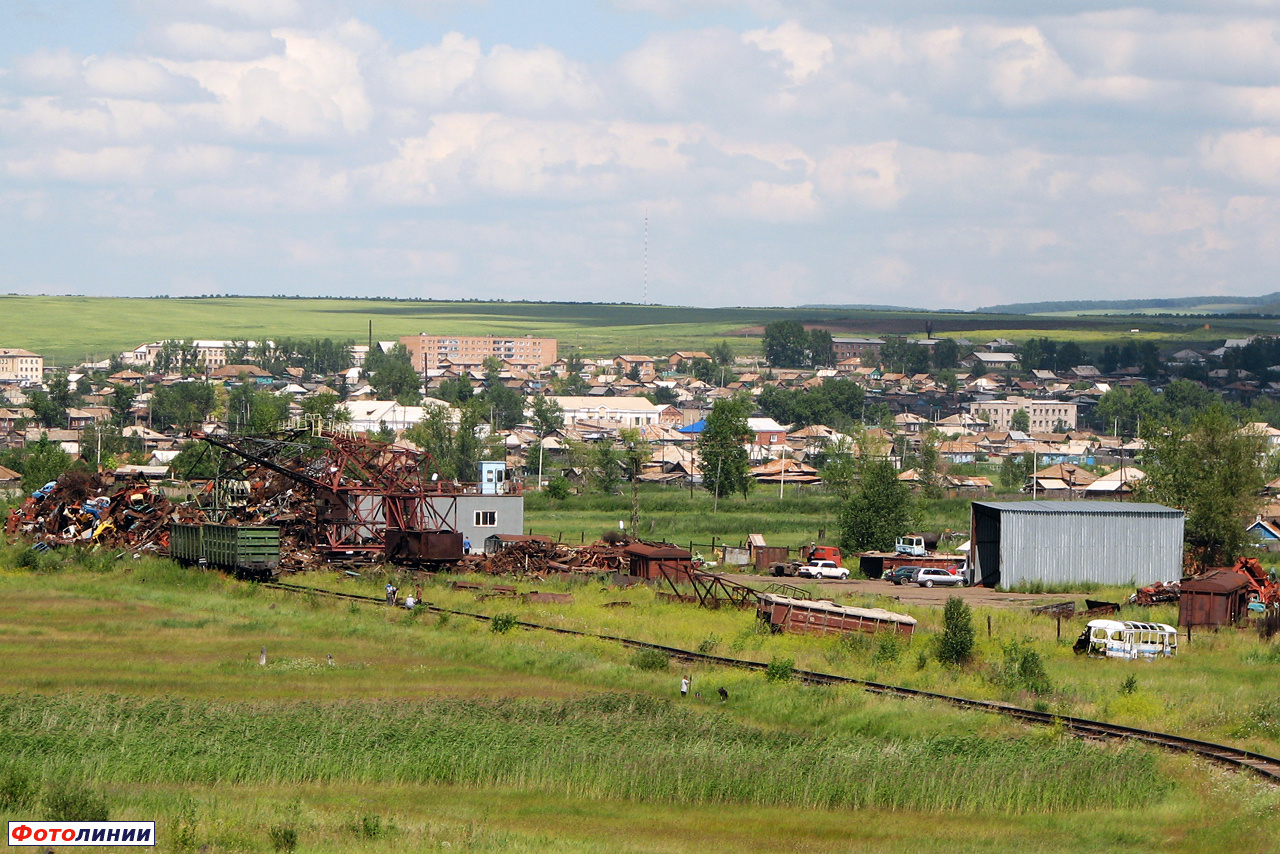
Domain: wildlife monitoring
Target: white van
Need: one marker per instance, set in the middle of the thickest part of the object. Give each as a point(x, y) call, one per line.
point(1127, 639)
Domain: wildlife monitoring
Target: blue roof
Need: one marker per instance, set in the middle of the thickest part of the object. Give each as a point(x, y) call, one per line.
point(696, 427)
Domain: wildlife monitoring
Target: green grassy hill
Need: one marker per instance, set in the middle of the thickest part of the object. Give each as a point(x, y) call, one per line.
point(75, 329)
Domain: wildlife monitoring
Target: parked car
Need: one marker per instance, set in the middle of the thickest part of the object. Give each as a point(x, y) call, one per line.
point(929, 576)
point(900, 574)
point(822, 569)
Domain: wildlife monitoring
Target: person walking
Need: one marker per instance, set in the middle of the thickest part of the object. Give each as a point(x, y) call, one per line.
point(391, 594)
point(466, 544)
point(684, 687)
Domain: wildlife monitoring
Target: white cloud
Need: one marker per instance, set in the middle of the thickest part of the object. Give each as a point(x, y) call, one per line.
point(804, 52)
point(869, 175)
point(433, 73)
point(1252, 156)
point(196, 40)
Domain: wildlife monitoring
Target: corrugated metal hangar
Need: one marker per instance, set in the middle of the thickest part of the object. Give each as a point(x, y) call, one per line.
point(1073, 542)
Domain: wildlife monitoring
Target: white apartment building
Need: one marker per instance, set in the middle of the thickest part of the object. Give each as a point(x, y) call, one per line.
point(212, 352)
point(21, 366)
point(1044, 414)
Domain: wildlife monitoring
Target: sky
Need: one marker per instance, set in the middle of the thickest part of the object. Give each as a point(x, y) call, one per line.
point(928, 153)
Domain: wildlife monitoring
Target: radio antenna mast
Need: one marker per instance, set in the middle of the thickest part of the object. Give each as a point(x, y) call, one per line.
point(646, 257)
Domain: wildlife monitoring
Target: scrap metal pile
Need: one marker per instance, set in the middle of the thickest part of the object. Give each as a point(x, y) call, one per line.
point(93, 509)
point(539, 557)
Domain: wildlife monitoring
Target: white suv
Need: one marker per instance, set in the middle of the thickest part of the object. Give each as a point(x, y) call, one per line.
point(822, 569)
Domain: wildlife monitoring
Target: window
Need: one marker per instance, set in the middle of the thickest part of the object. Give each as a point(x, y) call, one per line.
point(486, 518)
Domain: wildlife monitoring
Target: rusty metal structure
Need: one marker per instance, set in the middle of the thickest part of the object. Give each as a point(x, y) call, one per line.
point(367, 498)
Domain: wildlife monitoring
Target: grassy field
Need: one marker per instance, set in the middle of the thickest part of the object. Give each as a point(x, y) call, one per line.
point(72, 329)
point(140, 685)
point(801, 516)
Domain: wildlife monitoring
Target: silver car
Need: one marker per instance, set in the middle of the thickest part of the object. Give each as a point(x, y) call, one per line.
point(931, 576)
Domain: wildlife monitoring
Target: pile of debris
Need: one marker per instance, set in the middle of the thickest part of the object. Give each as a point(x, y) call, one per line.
point(1154, 594)
point(84, 508)
point(540, 556)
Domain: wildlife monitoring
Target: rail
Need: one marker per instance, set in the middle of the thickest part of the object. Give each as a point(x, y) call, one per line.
point(1266, 766)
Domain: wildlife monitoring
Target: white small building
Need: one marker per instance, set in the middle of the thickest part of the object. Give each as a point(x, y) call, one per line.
point(619, 411)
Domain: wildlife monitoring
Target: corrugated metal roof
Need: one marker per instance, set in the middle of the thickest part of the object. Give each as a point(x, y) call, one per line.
point(843, 610)
point(1101, 508)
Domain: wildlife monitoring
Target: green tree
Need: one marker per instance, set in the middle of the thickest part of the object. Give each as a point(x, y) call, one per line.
point(1212, 471)
point(42, 462)
point(505, 404)
point(786, 344)
point(726, 465)
point(840, 473)
point(196, 460)
point(636, 451)
point(183, 404)
point(1020, 421)
point(326, 406)
point(1014, 471)
point(878, 512)
point(453, 452)
point(722, 353)
point(822, 350)
point(251, 409)
point(955, 646)
point(102, 444)
point(946, 354)
point(604, 468)
point(455, 390)
point(393, 376)
point(548, 415)
point(122, 398)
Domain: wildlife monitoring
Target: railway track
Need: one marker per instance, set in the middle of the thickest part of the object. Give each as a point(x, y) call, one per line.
point(1266, 766)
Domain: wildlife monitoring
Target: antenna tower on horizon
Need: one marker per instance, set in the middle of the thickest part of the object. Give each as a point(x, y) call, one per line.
point(646, 257)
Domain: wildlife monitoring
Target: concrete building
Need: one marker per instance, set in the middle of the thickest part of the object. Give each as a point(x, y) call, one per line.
point(430, 352)
point(613, 411)
point(211, 352)
point(21, 366)
point(1074, 542)
point(1044, 414)
point(865, 349)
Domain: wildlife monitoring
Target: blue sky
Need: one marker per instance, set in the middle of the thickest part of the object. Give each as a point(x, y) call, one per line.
point(928, 153)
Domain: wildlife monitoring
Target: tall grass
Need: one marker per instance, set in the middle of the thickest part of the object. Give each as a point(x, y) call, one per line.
point(602, 747)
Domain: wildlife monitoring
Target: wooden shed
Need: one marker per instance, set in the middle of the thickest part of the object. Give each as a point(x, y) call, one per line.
point(649, 560)
point(820, 617)
point(1217, 598)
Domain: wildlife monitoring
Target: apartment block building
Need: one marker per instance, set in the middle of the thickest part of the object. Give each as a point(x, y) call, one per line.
point(431, 352)
point(21, 366)
point(1044, 414)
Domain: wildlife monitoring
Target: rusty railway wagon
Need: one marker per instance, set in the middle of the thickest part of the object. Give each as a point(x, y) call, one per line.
point(820, 617)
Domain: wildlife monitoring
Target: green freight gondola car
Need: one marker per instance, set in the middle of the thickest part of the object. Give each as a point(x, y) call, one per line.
point(246, 550)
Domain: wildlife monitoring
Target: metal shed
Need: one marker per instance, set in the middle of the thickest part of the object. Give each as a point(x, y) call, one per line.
point(649, 560)
point(1217, 598)
point(1070, 542)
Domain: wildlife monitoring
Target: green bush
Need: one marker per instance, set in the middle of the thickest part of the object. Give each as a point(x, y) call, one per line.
point(780, 669)
point(650, 659)
point(502, 623)
point(283, 838)
point(558, 487)
point(1024, 669)
point(709, 644)
point(368, 826)
point(65, 801)
point(956, 644)
point(17, 789)
point(888, 649)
